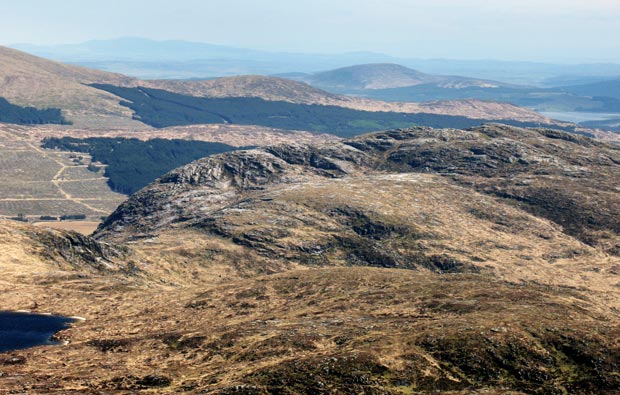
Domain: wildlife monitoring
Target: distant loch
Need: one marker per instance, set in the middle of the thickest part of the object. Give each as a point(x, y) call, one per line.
point(578, 117)
point(23, 330)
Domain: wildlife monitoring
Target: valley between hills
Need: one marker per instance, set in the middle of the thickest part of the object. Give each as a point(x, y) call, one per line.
point(252, 111)
point(414, 260)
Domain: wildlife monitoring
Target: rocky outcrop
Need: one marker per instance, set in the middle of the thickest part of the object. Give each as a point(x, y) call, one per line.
point(565, 178)
point(80, 251)
point(421, 199)
point(202, 187)
point(28, 249)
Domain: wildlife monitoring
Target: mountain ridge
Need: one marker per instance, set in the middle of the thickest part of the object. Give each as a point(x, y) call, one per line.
point(396, 83)
point(275, 88)
point(514, 72)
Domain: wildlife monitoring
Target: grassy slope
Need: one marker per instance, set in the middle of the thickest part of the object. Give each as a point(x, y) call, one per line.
point(27, 80)
point(161, 108)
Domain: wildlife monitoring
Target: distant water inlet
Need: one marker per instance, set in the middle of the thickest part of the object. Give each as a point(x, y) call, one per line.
point(24, 330)
point(579, 117)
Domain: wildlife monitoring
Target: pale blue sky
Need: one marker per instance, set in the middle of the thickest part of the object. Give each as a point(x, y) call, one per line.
point(542, 30)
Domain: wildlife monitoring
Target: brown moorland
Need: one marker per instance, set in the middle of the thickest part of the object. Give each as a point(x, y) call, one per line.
point(409, 261)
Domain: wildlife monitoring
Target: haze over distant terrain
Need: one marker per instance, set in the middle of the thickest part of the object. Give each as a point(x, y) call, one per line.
point(568, 31)
point(147, 58)
point(545, 43)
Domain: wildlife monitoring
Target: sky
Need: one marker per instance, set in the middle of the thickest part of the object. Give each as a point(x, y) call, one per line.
point(572, 31)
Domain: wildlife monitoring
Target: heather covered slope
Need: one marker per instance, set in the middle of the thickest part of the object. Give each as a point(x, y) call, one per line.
point(325, 331)
point(346, 330)
point(406, 261)
point(29, 251)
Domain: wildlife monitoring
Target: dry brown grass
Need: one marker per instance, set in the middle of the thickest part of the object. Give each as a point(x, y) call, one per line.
point(31, 81)
point(349, 330)
point(83, 227)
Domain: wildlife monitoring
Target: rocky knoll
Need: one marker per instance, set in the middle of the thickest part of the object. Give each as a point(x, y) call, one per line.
point(569, 179)
point(417, 187)
point(25, 247)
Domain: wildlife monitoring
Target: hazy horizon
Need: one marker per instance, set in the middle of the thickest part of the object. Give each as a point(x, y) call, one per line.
point(293, 52)
point(548, 31)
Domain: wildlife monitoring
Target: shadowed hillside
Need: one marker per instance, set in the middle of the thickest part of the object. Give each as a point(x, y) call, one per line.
point(280, 89)
point(160, 108)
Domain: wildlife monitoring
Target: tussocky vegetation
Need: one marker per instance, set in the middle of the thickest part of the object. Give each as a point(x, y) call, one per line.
point(407, 261)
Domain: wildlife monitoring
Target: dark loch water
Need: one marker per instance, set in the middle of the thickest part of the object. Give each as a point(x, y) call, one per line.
point(23, 330)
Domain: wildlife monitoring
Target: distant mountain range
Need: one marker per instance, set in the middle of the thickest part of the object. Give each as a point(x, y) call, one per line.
point(140, 49)
point(30, 81)
point(556, 90)
point(392, 82)
point(145, 58)
point(151, 59)
point(607, 88)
